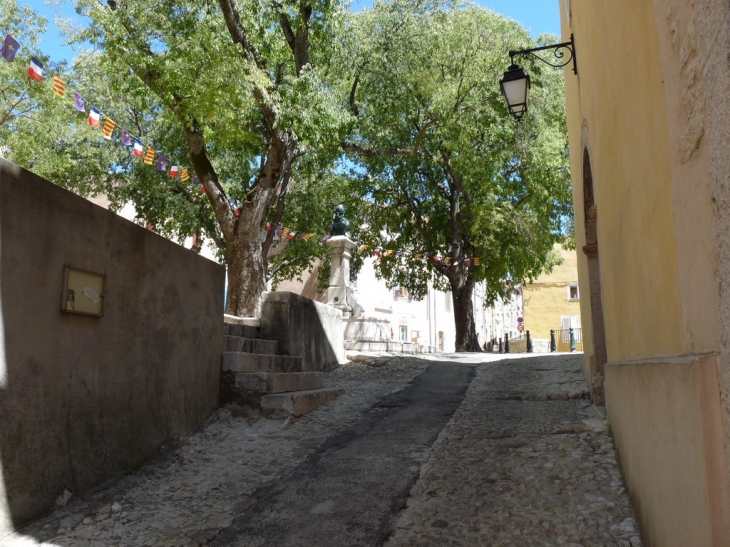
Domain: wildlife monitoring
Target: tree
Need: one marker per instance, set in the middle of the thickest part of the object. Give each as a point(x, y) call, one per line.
point(247, 92)
point(442, 168)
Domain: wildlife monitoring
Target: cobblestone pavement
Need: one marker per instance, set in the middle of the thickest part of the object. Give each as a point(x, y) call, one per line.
point(524, 461)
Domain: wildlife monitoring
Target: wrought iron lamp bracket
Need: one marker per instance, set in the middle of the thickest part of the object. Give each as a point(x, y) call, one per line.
point(558, 50)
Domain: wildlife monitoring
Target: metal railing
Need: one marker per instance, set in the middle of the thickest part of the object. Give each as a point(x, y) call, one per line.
point(566, 340)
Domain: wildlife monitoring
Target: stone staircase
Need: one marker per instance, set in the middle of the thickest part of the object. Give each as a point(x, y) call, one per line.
point(256, 377)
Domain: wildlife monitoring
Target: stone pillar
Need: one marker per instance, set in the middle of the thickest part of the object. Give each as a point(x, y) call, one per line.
point(337, 292)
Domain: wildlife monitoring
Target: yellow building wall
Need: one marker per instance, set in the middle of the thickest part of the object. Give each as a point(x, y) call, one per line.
point(546, 300)
point(638, 107)
point(621, 103)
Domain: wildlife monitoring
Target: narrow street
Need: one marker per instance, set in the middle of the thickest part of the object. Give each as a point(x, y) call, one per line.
point(460, 450)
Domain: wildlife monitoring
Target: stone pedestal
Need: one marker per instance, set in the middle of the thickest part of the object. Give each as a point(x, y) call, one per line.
point(339, 285)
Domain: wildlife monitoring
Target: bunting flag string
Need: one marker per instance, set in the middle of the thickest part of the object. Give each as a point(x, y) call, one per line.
point(106, 131)
point(9, 50)
point(282, 232)
point(59, 87)
point(94, 117)
point(35, 70)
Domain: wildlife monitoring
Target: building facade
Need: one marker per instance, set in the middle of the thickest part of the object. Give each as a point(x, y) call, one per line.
point(649, 130)
point(552, 302)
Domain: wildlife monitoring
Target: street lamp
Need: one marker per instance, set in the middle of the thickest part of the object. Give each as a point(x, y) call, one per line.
point(516, 84)
point(515, 87)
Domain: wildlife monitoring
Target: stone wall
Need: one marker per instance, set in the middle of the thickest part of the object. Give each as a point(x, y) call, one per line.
point(303, 327)
point(84, 399)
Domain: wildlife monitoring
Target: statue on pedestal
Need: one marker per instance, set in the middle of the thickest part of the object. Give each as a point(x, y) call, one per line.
point(339, 224)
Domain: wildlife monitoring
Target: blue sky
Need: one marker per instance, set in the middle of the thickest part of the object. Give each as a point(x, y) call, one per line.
point(537, 16)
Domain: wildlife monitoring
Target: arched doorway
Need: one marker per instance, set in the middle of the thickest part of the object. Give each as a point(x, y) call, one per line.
point(599, 358)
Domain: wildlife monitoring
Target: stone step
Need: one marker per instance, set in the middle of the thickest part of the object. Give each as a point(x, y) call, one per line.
point(279, 382)
point(298, 403)
point(251, 345)
point(236, 361)
point(245, 331)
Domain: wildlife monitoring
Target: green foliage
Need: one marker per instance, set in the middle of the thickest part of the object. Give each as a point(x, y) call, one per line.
point(441, 167)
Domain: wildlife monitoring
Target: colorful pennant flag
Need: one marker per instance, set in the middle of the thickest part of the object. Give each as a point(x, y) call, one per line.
point(149, 157)
point(476, 261)
point(10, 48)
point(35, 70)
point(285, 233)
point(418, 256)
point(196, 180)
point(126, 138)
point(173, 171)
point(79, 102)
point(269, 227)
point(307, 236)
point(279, 229)
point(94, 116)
point(161, 163)
point(447, 259)
point(108, 128)
point(467, 262)
point(138, 149)
point(377, 253)
point(202, 190)
point(363, 248)
point(291, 235)
point(59, 87)
point(184, 176)
point(389, 252)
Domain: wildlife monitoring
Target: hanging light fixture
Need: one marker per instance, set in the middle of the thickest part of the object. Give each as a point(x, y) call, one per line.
point(515, 87)
point(516, 84)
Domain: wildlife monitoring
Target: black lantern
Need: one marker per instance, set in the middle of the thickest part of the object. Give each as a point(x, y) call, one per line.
point(515, 87)
point(516, 84)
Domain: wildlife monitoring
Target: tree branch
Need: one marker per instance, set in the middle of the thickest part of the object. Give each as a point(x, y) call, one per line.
point(373, 153)
point(238, 33)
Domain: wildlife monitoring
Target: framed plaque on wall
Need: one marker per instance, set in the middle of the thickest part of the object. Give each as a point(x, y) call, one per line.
point(83, 292)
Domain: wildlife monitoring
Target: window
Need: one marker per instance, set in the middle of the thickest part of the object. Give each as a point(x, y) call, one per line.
point(573, 292)
point(403, 333)
point(400, 293)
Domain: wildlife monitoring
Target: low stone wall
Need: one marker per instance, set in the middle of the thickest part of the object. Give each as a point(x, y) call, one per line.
point(84, 399)
point(303, 327)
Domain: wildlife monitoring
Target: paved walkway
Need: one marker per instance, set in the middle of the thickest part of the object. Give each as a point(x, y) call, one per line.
point(522, 460)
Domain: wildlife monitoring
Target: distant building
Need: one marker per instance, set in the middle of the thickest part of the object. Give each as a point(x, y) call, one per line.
point(552, 302)
point(430, 321)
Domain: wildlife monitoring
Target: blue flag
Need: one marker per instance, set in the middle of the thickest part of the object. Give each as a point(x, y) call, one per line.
point(126, 138)
point(10, 48)
point(79, 102)
point(161, 163)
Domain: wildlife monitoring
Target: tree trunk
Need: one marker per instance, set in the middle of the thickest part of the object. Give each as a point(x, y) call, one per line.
point(462, 286)
point(247, 260)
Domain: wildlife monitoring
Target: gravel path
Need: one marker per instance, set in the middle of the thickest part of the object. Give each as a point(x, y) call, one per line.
point(189, 495)
point(525, 460)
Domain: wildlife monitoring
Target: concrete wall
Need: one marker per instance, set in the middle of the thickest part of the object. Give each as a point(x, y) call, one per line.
point(84, 399)
point(303, 327)
point(650, 106)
